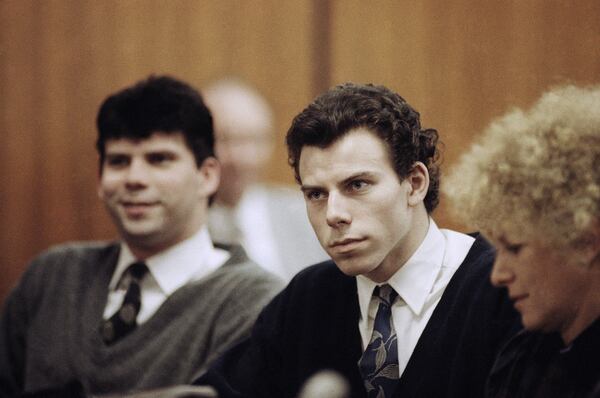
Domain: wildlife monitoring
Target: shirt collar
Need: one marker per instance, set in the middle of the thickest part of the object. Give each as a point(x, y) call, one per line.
point(415, 279)
point(193, 258)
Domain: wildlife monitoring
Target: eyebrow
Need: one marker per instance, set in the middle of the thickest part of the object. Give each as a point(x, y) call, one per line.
point(355, 176)
point(305, 188)
point(116, 153)
point(150, 151)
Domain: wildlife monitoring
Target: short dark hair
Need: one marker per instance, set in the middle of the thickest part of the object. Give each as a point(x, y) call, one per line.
point(158, 103)
point(349, 106)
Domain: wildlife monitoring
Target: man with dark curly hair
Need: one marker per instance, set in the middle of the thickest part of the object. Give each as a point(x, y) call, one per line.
point(403, 309)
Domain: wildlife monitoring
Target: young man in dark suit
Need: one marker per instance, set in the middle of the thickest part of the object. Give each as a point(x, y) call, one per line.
point(403, 309)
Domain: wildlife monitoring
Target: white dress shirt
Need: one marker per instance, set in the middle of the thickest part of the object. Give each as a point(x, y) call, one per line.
point(420, 283)
point(190, 260)
point(251, 216)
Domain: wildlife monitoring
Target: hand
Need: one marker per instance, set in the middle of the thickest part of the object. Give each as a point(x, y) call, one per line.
point(169, 392)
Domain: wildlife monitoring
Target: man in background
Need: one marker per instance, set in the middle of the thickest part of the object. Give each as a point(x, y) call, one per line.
point(269, 221)
point(154, 308)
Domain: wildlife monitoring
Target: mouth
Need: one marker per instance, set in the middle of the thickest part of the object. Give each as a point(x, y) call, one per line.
point(516, 299)
point(137, 208)
point(346, 245)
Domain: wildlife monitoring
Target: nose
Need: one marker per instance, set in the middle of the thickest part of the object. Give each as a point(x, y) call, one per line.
point(137, 174)
point(502, 274)
point(337, 211)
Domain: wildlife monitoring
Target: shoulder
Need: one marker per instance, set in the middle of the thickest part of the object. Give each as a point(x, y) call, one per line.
point(242, 279)
point(517, 346)
point(62, 265)
point(471, 287)
point(510, 363)
point(313, 285)
point(318, 283)
point(482, 251)
point(477, 264)
point(471, 291)
point(318, 294)
point(78, 250)
point(73, 254)
point(323, 273)
point(240, 266)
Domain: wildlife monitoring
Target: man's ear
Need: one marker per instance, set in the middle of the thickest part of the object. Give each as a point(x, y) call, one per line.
point(209, 173)
point(418, 178)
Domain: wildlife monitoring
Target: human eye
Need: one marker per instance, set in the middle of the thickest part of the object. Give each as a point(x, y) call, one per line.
point(510, 246)
point(514, 248)
point(160, 158)
point(357, 185)
point(117, 160)
point(314, 195)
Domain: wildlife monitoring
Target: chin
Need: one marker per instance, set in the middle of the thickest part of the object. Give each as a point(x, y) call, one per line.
point(352, 267)
point(143, 236)
point(532, 323)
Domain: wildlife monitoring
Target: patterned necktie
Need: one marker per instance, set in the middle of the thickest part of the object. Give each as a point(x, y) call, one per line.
point(124, 320)
point(379, 363)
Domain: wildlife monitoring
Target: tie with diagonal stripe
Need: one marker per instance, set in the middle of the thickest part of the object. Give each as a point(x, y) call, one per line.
point(379, 363)
point(124, 320)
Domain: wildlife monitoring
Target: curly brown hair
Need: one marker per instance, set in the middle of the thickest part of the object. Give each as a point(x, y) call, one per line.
point(349, 106)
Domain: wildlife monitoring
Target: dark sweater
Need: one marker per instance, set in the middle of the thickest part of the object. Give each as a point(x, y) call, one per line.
point(538, 365)
point(49, 330)
point(313, 325)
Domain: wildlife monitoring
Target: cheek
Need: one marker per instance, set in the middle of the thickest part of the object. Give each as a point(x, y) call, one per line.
point(107, 187)
point(180, 188)
point(317, 220)
point(391, 218)
point(559, 289)
point(181, 180)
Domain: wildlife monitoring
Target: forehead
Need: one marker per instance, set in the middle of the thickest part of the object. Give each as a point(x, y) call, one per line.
point(238, 116)
point(158, 141)
point(358, 151)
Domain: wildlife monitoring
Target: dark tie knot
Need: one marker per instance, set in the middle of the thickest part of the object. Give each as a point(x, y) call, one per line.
point(123, 321)
point(386, 294)
point(137, 270)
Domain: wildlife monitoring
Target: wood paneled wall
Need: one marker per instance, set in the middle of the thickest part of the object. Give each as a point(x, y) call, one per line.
point(460, 63)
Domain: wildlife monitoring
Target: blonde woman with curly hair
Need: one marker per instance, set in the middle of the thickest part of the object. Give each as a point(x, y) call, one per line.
point(532, 184)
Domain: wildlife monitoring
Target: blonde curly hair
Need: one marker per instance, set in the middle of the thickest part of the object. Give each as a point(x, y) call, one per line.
point(534, 175)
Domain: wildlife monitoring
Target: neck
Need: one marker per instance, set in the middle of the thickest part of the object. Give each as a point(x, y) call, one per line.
point(148, 247)
point(587, 313)
point(141, 253)
point(404, 249)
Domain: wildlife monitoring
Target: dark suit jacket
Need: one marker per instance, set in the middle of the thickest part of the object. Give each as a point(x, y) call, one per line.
point(313, 325)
